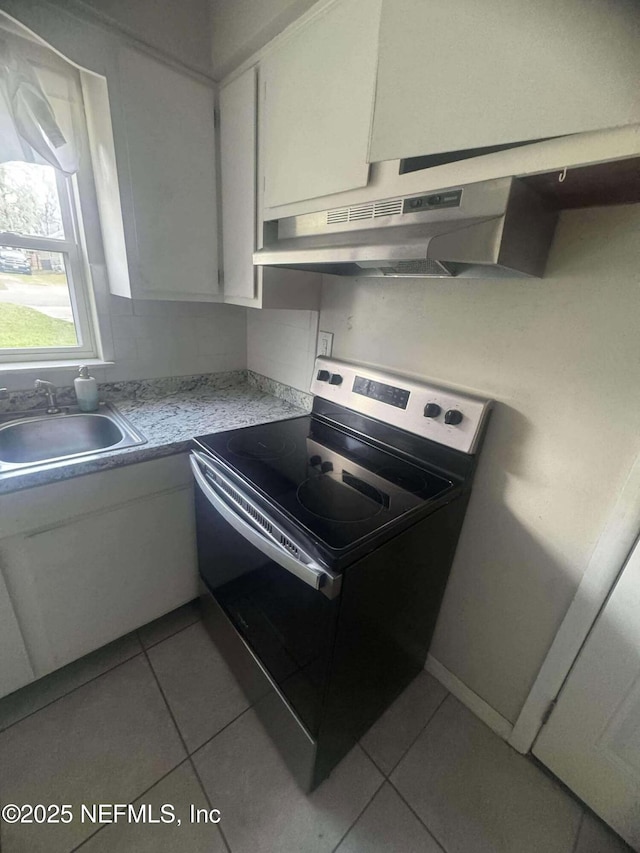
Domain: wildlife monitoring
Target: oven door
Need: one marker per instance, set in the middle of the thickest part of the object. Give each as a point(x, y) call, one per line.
point(282, 602)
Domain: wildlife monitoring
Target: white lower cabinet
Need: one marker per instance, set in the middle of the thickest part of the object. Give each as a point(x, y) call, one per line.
point(97, 557)
point(15, 667)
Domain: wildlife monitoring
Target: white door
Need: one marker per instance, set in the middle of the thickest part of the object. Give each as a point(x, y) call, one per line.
point(592, 739)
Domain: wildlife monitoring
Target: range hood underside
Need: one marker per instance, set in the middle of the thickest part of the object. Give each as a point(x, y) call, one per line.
point(465, 248)
point(512, 242)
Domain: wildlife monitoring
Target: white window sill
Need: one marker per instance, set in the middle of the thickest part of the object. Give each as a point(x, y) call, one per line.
point(13, 366)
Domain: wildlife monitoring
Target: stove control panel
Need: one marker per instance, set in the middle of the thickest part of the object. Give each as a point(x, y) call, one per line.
point(380, 391)
point(450, 417)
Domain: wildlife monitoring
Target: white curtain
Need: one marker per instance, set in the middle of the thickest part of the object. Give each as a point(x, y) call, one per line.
point(38, 111)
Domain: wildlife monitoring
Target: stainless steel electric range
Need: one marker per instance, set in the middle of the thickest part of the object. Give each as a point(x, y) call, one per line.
point(325, 543)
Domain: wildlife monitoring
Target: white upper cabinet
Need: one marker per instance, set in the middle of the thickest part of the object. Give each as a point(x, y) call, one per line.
point(462, 74)
point(318, 97)
point(238, 143)
point(244, 283)
point(169, 186)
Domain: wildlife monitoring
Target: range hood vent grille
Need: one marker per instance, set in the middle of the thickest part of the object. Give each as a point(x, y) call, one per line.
point(419, 267)
point(497, 228)
point(358, 212)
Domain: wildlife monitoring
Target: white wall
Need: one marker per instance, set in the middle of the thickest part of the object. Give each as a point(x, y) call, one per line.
point(561, 356)
point(241, 27)
point(281, 344)
point(158, 339)
point(180, 29)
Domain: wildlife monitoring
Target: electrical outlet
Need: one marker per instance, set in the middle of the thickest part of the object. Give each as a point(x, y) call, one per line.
point(325, 343)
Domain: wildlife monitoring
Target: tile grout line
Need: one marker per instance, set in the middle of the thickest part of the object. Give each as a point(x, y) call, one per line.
point(184, 744)
point(73, 689)
point(385, 778)
point(95, 677)
point(360, 813)
point(418, 818)
point(372, 759)
point(422, 730)
point(169, 636)
point(413, 742)
point(210, 804)
point(429, 718)
point(164, 699)
point(146, 791)
point(219, 732)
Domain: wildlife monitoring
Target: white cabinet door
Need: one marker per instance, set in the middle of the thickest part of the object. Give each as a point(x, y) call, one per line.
point(79, 585)
point(238, 141)
point(245, 284)
point(15, 668)
point(317, 105)
point(461, 74)
point(592, 739)
point(169, 163)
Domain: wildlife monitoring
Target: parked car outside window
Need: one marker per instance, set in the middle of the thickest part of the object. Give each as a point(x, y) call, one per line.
point(14, 260)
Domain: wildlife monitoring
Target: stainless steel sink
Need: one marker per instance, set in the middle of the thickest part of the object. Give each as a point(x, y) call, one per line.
point(36, 438)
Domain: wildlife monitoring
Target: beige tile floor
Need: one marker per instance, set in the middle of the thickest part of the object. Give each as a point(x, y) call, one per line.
point(156, 719)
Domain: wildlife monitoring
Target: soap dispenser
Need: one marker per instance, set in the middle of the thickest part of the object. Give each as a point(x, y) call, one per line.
point(86, 390)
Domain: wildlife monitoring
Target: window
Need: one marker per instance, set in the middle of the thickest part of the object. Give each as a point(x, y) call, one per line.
point(45, 310)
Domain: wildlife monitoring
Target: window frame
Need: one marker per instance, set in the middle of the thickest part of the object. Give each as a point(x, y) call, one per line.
point(72, 247)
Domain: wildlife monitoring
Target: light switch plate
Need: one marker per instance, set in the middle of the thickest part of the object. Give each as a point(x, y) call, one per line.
point(325, 344)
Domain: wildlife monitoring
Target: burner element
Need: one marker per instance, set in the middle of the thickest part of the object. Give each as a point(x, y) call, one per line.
point(343, 499)
point(259, 446)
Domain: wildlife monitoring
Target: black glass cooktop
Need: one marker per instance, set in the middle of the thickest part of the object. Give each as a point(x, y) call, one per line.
point(340, 488)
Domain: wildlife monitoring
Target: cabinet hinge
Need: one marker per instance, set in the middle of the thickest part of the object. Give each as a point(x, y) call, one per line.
point(220, 278)
point(549, 711)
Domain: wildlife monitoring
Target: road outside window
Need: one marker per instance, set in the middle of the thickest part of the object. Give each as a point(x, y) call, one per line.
point(35, 302)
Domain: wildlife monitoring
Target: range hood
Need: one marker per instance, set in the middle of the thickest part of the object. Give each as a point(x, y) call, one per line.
point(498, 228)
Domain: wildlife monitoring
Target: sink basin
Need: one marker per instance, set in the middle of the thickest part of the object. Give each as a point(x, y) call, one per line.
point(41, 438)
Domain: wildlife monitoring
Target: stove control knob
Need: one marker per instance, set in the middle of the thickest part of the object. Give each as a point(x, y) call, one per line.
point(453, 417)
point(323, 376)
point(315, 460)
point(326, 467)
point(432, 410)
point(336, 379)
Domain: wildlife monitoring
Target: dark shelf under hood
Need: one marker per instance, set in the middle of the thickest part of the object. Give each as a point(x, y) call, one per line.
point(617, 182)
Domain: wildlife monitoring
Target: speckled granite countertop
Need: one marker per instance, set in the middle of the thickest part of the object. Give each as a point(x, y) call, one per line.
point(169, 413)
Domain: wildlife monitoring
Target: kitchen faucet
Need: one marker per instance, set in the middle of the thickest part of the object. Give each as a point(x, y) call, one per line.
point(50, 390)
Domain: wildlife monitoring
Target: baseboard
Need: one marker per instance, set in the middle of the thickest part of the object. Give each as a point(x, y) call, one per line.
point(473, 702)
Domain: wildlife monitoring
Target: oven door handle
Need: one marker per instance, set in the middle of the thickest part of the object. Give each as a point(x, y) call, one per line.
point(310, 572)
